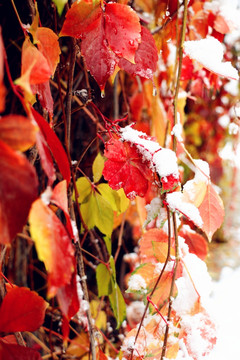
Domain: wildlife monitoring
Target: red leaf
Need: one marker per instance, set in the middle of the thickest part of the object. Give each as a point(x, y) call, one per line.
point(44, 96)
point(106, 35)
point(18, 189)
point(2, 86)
point(46, 158)
point(196, 243)
point(53, 245)
point(54, 145)
point(80, 18)
point(59, 198)
point(68, 298)
point(125, 169)
point(21, 310)
point(146, 57)
point(211, 211)
point(169, 183)
point(187, 68)
point(100, 60)
point(122, 30)
point(18, 132)
point(17, 352)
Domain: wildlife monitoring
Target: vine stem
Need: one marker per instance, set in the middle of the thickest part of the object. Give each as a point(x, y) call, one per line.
point(172, 285)
point(79, 253)
point(69, 91)
point(159, 278)
point(18, 17)
point(180, 54)
point(175, 104)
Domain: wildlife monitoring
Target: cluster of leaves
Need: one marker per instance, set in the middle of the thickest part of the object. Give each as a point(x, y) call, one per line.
point(65, 215)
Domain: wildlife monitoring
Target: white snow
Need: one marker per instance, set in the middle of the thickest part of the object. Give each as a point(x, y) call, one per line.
point(225, 308)
point(165, 162)
point(202, 172)
point(136, 283)
point(177, 131)
point(232, 87)
point(175, 201)
point(233, 129)
point(209, 53)
point(224, 121)
point(162, 160)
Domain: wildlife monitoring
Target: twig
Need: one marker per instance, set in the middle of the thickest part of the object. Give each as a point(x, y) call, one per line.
point(180, 54)
point(164, 348)
point(115, 98)
point(160, 28)
point(80, 103)
point(69, 90)
point(159, 278)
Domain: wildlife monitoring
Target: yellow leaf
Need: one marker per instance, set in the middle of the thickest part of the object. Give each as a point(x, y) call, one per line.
point(84, 189)
point(97, 167)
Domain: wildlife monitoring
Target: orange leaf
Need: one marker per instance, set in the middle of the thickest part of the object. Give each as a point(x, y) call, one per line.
point(53, 245)
point(211, 211)
point(21, 310)
point(34, 63)
point(18, 132)
point(162, 292)
point(154, 245)
point(18, 189)
point(47, 43)
point(196, 242)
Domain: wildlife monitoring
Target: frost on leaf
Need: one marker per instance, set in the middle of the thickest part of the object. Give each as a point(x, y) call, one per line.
point(209, 53)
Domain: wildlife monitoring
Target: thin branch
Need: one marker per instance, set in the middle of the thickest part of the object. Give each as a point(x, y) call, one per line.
point(70, 90)
point(159, 278)
point(164, 348)
point(80, 103)
point(180, 54)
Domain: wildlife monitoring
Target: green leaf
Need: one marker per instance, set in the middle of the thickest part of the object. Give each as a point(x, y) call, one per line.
point(60, 4)
point(97, 167)
point(96, 211)
point(112, 265)
point(108, 243)
point(103, 280)
point(117, 303)
point(84, 189)
point(123, 201)
point(117, 199)
point(109, 195)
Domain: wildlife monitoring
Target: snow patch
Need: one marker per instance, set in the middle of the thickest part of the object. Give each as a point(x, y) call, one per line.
point(209, 53)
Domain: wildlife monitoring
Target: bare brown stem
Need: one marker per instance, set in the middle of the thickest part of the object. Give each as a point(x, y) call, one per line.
point(69, 90)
